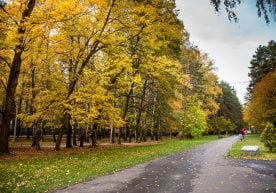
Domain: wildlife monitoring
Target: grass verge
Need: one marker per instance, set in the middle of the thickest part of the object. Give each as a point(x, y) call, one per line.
point(40, 174)
point(252, 139)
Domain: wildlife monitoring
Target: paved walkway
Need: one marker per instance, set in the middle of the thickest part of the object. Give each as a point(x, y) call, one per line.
point(204, 169)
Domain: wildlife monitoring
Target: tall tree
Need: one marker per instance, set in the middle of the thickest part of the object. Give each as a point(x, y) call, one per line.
point(20, 38)
point(230, 107)
point(263, 62)
point(262, 107)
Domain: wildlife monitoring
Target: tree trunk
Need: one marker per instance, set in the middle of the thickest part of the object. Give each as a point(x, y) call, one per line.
point(125, 111)
point(37, 138)
point(54, 137)
point(15, 125)
point(94, 135)
point(34, 136)
point(74, 137)
point(140, 110)
point(69, 137)
point(120, 136)
point(59, 138)
point(28, 133)
point(81, 137)
point(111, 137)
point(67, 119)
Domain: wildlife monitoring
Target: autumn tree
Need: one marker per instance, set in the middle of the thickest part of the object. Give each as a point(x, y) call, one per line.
point(19, 37)
point(203, 80)
point(199, 98)
point(263, 62)
point(261, 109)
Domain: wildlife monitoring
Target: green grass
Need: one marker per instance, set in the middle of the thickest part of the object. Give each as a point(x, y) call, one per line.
point(253, 139)
point(59, 170)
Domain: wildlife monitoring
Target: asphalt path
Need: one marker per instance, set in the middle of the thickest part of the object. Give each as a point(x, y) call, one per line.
point(203, 169)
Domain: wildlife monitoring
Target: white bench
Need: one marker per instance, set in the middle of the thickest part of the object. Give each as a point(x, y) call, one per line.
point(250, 150)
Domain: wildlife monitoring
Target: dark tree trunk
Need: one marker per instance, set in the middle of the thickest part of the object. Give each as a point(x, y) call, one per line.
point(19, 129)
point(54, 137)
point(33, 139)
point(100, 133)
point(144, 135)
point(120, 136)
point(125, 133)
point(28, 133)
point(81, 137)
point(138, 119)
point(94, 135)
point(59, 138)
point(69, 138)
point(37, 138)
point(67, 119)
point(75, 137)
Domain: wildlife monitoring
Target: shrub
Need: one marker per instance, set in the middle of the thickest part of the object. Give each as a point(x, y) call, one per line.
point(268, 137)
point(192, 122)
point(221, 125)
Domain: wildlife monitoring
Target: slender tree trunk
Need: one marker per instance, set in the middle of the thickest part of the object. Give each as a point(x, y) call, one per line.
point(130, 136)
point(74, 136)
point(69, 137)
point(37, 138)
point(120, 136)
point(15, 124)
point(152, 119)
point(28, 133)
point(54, 136)
point(59, 138)
point(140, 110)
point(94, 135)
point(32, 107)
point(34, 136)
point(111, 137)
point(81, 137)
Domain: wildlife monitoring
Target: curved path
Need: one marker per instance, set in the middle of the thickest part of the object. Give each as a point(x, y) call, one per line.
point(203, 169)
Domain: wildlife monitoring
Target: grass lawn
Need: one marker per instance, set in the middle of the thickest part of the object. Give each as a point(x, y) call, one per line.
point(253, 139)
point(43, 173)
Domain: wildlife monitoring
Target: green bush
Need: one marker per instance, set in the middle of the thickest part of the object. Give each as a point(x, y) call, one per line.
point(268, 137)
point(191, 123)
point(221, 125)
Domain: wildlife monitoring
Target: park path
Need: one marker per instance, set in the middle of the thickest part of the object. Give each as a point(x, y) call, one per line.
point(203, 169)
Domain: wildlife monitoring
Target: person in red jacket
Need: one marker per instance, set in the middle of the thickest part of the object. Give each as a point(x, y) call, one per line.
point(243, 132)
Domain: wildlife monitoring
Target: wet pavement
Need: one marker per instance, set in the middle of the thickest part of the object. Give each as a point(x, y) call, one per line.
point(203, 169)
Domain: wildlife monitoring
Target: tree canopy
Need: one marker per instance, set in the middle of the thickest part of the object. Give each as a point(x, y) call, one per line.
point(263, 62)
point(101, 69)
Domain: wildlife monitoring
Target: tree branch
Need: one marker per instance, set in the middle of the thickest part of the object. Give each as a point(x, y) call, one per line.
point(2, 5)
point(6, 61)
point(3, 83)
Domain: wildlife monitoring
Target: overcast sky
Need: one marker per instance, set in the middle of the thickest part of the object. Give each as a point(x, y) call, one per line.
point(230, 45)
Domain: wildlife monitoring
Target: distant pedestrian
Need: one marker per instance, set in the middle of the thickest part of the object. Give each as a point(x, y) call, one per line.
point(243, 131)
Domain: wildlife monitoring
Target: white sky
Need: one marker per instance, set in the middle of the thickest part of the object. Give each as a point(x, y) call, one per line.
point(230, 45)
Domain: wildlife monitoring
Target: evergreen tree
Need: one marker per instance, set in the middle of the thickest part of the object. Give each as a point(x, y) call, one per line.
point(263, 62)
point(230, 107)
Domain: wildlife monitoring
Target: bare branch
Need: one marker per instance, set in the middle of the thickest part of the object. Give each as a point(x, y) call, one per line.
point(3, 84)
point(5, 60)
point(2, 6)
